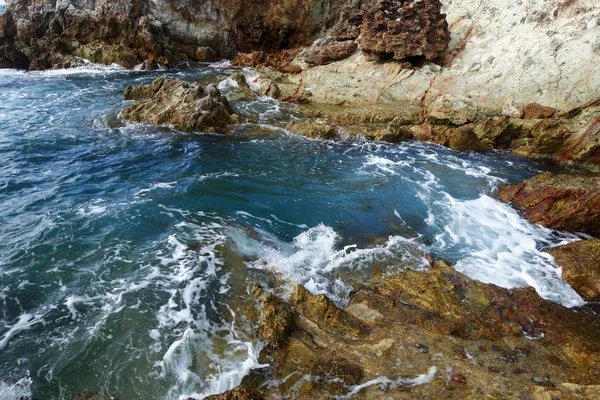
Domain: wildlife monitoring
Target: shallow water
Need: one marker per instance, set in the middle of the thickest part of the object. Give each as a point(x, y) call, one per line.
point(124, 248)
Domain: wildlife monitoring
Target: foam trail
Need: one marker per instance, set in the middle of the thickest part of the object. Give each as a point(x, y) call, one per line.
point(393, 383)
point(25, 322)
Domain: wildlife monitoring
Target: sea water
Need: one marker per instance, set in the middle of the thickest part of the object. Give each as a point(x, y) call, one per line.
point(127, 250)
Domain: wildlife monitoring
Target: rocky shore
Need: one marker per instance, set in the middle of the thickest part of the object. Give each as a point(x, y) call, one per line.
point(427, 334)
point(469, 75)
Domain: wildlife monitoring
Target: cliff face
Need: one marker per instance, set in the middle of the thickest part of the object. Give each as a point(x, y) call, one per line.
point(38, 34)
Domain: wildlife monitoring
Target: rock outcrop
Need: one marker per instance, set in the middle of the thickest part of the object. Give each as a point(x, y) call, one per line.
point(183, 105)
point(580, 262)
point(430, 334)
point(50, 34)
point(404, 30)
point(563, 202)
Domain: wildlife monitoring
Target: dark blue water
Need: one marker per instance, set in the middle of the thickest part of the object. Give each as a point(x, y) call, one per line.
point(124, 249)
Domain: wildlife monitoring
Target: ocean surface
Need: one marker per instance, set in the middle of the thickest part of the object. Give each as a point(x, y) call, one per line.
point(128, 252)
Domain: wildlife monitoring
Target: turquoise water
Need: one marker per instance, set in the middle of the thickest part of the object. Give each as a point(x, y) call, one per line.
point(125, 249)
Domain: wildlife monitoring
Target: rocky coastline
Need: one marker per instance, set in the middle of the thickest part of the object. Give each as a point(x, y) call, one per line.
point(469, 75)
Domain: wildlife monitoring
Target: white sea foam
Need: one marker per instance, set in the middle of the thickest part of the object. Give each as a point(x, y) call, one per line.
point(207, 356)
point(493, 244)
point(313, 259)
point(488, 240)
point(18, 390)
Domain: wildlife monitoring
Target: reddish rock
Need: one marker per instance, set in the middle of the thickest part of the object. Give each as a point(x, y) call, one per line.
point(279, 60)
point(537, 111)
point(331, 52)
point(580, 262)
point(565, 202)
point(403, 29)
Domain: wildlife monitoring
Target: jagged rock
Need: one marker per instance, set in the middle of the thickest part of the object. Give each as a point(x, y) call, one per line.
point(456, 110)
point(238, 393)
point(462, 337)
point(128, 32)
point(580, 262)
point(186, 106)
point(278, 319)
point(148, 65)
point(537, 111)
point(404, 29)
point(331, 52)
point(558, 201)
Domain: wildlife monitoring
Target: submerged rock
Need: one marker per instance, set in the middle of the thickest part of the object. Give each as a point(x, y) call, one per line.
point(184, 105)
point(580, 263)
point(404, 29)
point(430, 334)
point(564, 202)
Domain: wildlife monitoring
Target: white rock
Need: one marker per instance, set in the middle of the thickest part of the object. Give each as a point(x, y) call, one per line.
point(513, 108)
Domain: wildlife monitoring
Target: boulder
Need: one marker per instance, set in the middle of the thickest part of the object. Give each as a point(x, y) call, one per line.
point(404, 29)
point(580, 262)
point(562, 201)
point(184, 105)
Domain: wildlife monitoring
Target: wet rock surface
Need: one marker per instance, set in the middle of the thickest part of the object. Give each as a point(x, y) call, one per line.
point(580, 263)
point(565, 202)
point(186, 106)
point(431, 334)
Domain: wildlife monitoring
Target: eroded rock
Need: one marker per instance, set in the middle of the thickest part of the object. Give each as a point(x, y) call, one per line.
point(564, 202)
point(404, 29)
point(580, 262)
point(184, 105)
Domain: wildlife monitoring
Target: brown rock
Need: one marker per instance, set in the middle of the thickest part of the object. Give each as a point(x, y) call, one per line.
point(239, 393)
point(401, 29)
point(580, 262)
point(184, 105)
point(464, 139)
point(279, 60)
point(537, 111)
point(331, 52)
point(318, 128)
point(560, 202)
point(478, 336)
point(277, 322)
